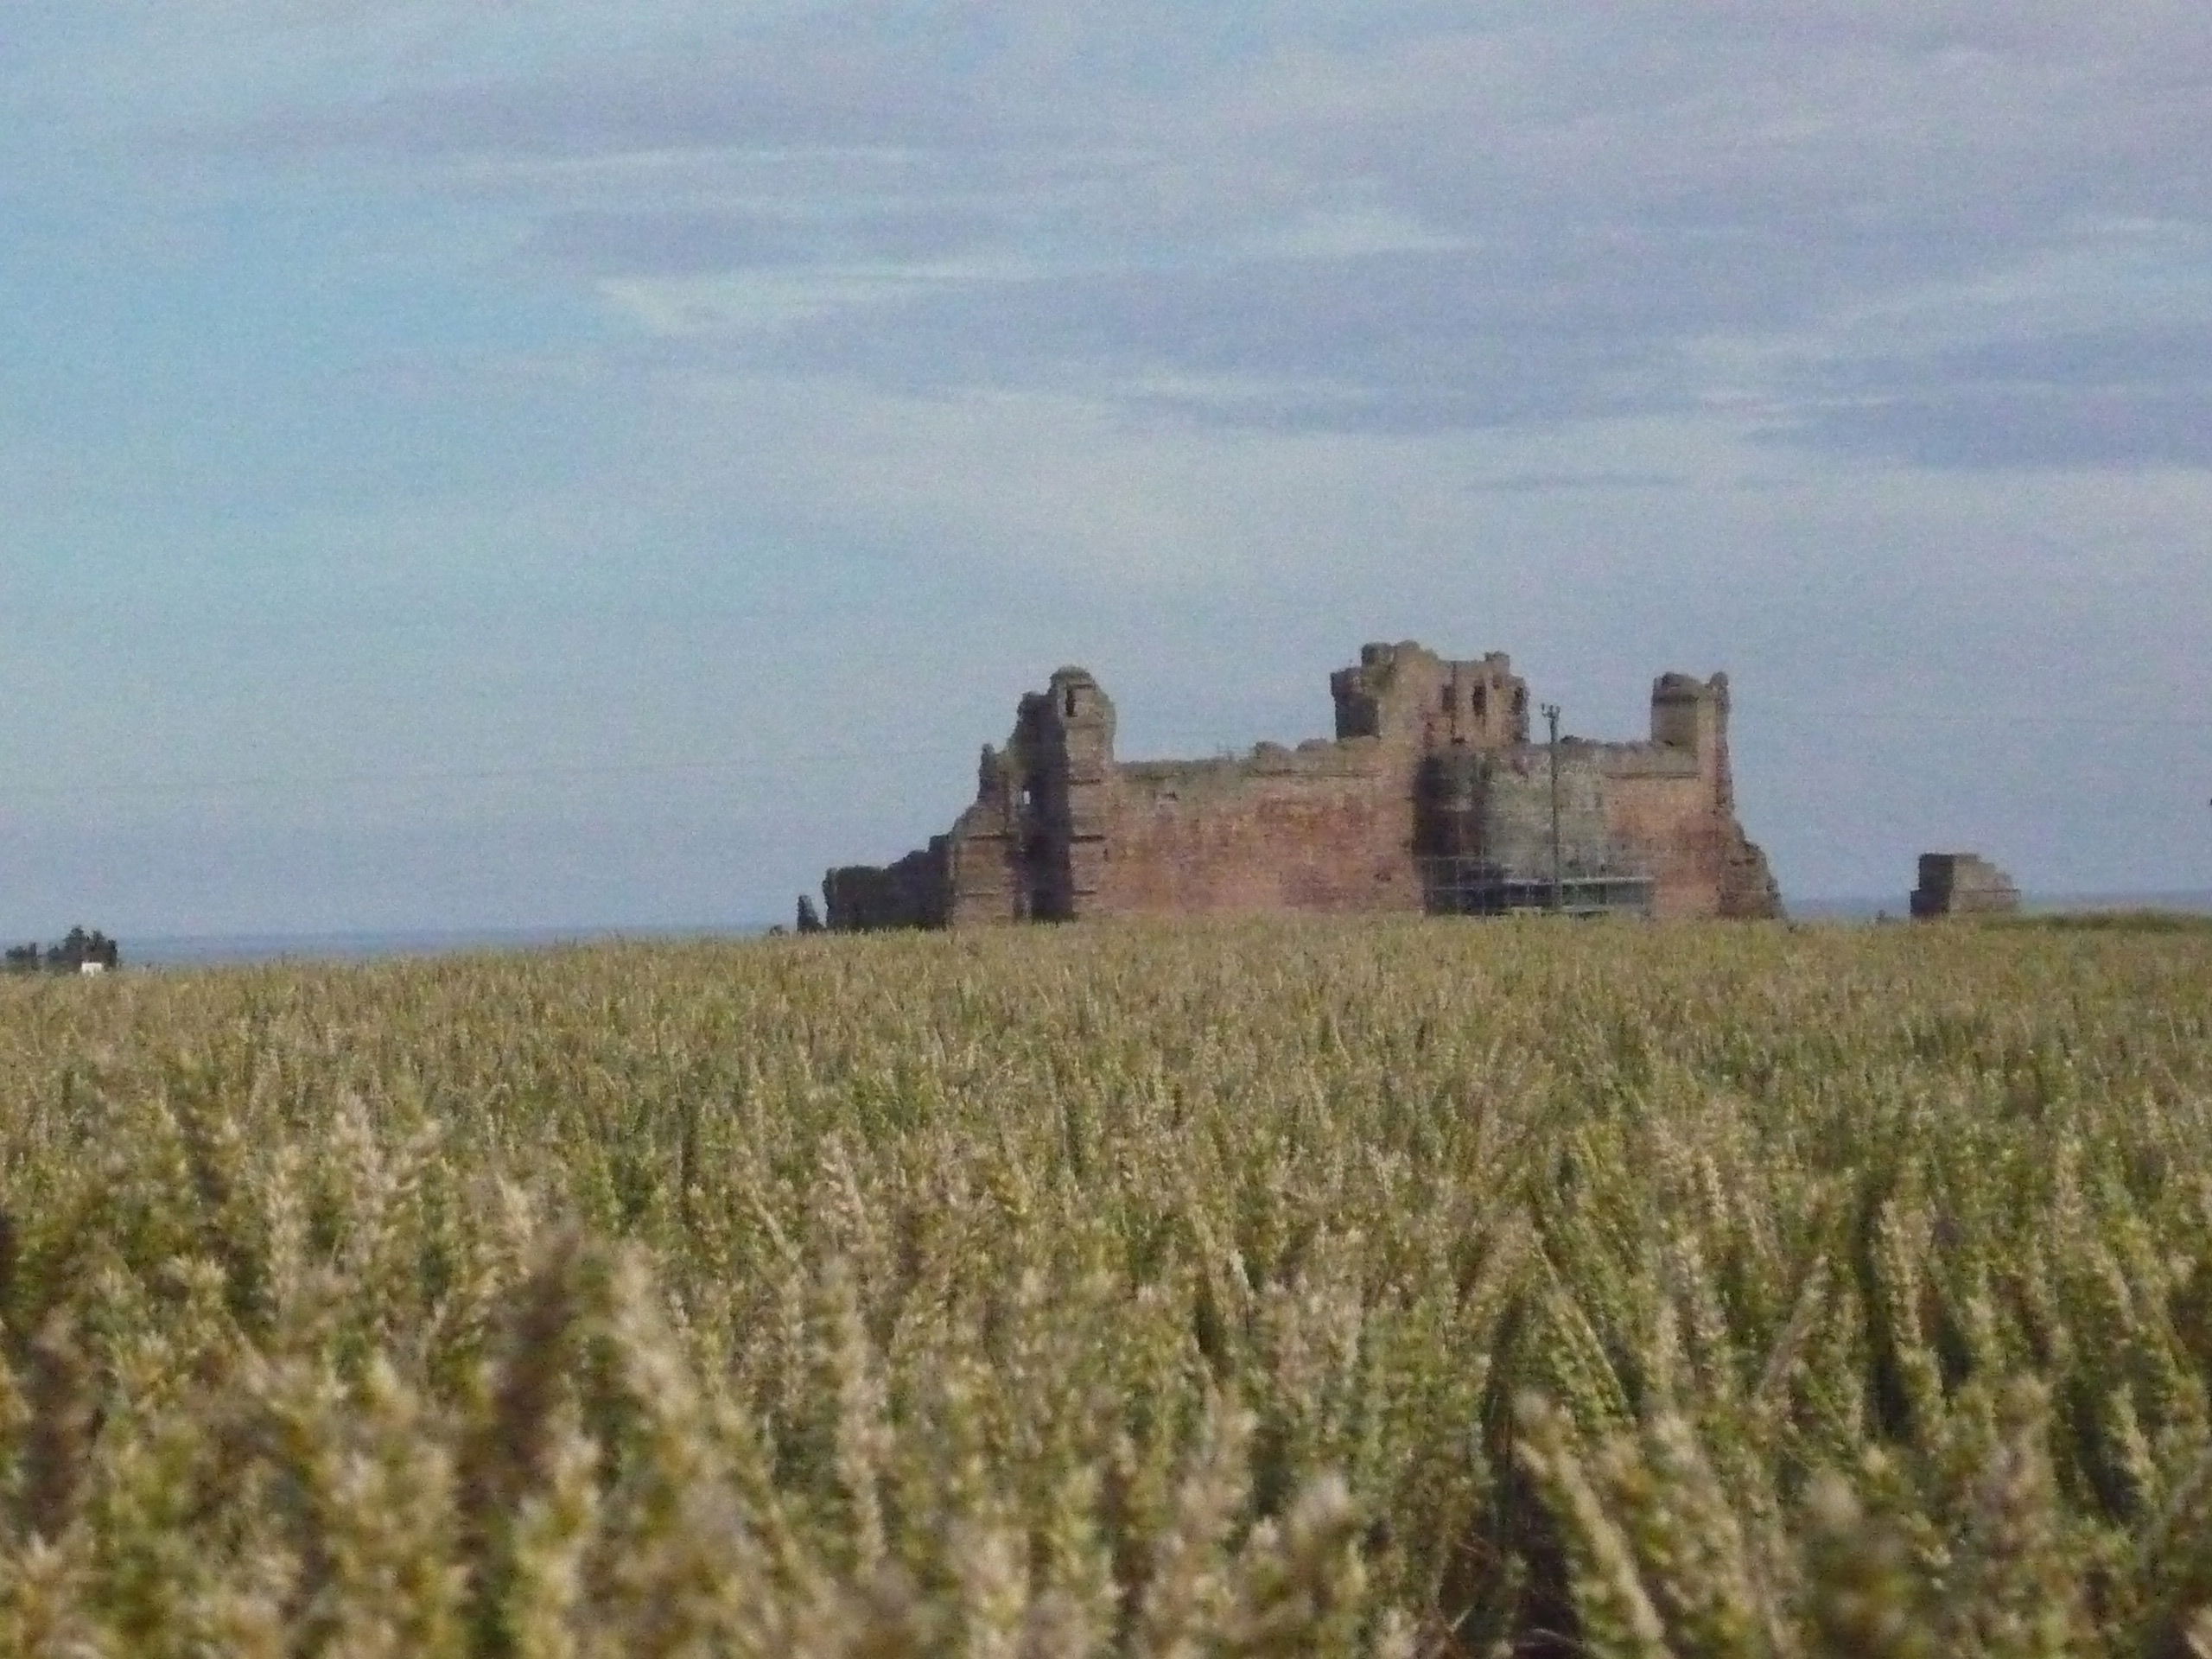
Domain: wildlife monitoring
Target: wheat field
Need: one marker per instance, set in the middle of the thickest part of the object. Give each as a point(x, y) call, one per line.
point(1404, 1289)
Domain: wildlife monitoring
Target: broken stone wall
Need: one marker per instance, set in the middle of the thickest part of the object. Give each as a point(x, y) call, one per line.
point(912, 892)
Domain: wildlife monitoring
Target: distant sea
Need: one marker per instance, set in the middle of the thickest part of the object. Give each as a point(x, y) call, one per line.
point(214, 948)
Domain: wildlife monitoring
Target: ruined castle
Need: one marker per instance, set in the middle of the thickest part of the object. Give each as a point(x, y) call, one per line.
point(1431, 798)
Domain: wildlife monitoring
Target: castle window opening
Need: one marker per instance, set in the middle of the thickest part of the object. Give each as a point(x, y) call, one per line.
point(1068, 697)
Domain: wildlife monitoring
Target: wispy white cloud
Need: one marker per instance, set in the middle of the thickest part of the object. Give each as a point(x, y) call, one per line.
point(1412, 222)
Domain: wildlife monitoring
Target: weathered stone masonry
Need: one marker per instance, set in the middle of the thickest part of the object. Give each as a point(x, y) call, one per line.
point(1431, 797)
point(1962, 884)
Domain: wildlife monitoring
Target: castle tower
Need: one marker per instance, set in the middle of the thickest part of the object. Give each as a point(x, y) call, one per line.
point(1690, 714)
point(1481, 705)
point(1082, 722)
point(1065, 743)
point(1369, 700)
point(1407, 694)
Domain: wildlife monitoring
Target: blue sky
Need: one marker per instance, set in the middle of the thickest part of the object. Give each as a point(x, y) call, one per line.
point(583, 462)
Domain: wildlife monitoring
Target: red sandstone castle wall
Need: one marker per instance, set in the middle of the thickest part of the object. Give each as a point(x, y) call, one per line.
point(1677, 834)
point(1334, 843)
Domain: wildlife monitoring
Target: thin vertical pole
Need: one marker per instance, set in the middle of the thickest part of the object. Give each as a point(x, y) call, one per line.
point(1559, 886)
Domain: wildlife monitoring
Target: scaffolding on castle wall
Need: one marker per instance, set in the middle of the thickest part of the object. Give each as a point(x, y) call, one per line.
point(1474, 886)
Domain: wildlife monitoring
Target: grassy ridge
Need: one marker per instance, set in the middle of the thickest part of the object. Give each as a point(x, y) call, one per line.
point(1285, 1290)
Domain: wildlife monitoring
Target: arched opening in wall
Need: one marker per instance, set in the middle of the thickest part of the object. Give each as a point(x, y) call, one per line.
point(1482, 704)
point(1067, 701)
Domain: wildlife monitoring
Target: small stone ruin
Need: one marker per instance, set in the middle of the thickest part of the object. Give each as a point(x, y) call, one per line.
point(1962, 884)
